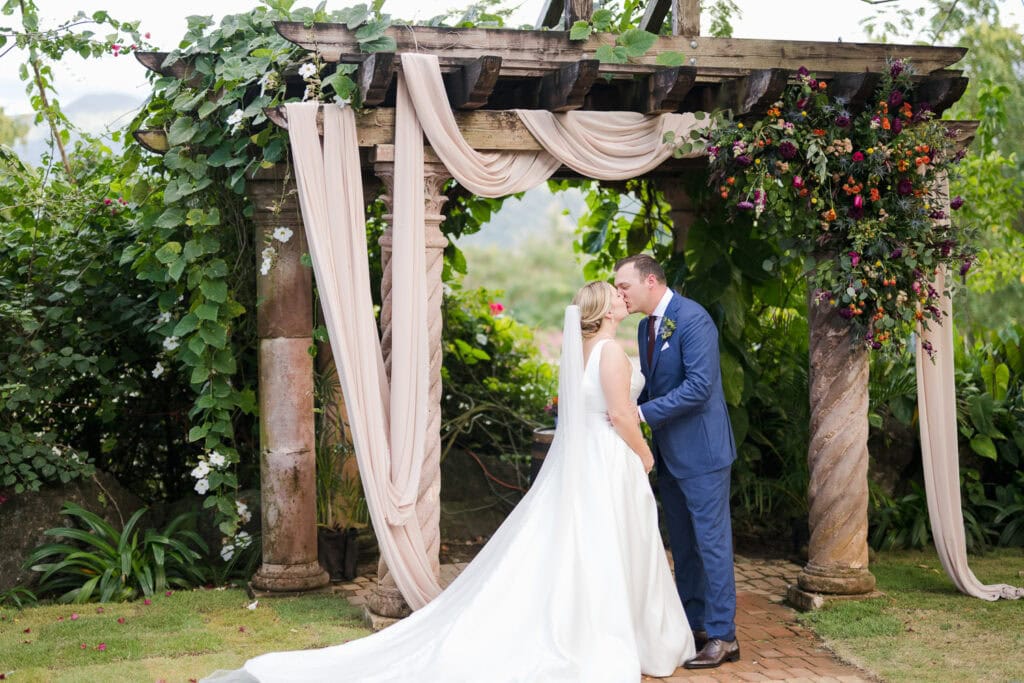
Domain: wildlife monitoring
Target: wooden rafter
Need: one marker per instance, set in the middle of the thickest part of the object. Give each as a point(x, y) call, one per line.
point(470, 85)
point(534, 53)
point(374, 77)
point(754, 92)
point(854, 89)
point(551, 14)
point(654, 15)
point(183, 69)
point(565, 89)
point(665, 89)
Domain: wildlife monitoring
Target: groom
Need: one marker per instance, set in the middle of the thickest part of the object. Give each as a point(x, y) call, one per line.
point(684, 404)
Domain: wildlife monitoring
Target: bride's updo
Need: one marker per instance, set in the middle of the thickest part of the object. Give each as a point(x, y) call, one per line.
point(594, 300)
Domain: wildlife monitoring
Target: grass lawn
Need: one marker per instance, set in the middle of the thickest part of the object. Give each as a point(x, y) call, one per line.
point(923, 629)
point(184, 636)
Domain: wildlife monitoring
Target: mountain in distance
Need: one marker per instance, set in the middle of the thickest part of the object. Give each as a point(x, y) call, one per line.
point(97, 114)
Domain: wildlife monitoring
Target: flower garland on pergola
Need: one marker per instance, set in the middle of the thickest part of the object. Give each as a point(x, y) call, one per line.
point(853, 195)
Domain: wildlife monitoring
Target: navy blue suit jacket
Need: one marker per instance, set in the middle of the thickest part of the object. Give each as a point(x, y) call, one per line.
point(682, 399)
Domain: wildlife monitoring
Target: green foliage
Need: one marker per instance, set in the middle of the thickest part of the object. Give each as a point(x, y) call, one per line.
point(102, 563)
point(81, 380)
point(495, 383)
point(12, 129)
point(18, 596)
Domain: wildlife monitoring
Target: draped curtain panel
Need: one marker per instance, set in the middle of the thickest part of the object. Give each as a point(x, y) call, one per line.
point(936, 402)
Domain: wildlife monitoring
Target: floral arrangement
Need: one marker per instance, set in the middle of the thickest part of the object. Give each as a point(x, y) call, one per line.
point(854, 194)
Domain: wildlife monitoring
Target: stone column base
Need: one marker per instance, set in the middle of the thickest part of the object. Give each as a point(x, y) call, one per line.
point(286, 578)
point(836, 580)
point(386, 601)
point(808, 602)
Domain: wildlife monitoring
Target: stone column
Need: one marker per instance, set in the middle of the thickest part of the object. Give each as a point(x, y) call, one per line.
point(284, 323)
point(386, 600)
point(838, 459)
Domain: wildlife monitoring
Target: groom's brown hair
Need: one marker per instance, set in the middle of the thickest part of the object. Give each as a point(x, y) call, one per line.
point(645, 265)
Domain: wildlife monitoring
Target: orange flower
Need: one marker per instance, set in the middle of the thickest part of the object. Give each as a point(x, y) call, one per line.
point(875, 196)
point(829, 215)
point(731, 180)
point(819, 132)
point(902, 165)
point(885, 123)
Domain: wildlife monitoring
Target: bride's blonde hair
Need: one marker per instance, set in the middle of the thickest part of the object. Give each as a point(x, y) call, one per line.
point(594, 300)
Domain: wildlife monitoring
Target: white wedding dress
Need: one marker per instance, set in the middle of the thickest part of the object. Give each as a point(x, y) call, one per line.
point(573, 587)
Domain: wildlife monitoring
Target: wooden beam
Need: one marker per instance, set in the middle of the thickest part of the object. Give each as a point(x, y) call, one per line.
point(531, 53)
point(578, 10)
point(854, 89)
point(550, 14)
point(183, 69)
point(753, 93)
point(566, 88)
point(686, 18)
point(654, 15)
point(940, 93)
point(469, 86)
point(666, 89)
point(374, 77)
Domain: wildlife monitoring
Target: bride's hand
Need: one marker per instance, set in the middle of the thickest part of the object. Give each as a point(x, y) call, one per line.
point(648, 462)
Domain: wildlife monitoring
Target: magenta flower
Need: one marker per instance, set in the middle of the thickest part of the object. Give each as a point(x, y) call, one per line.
point(801, 103)
point(843, 121)
point(858, 201)
point(102, 647)
point(956, 202)
point(745, 206)
point(896, 68)
point(854, 258)
point(896, 253)
point(966, 266)
point(802, 71)
point(496, 309)
point(798, 182)
point(858, 156)
point(744, 160)
point(895, 98)
point(897, 126)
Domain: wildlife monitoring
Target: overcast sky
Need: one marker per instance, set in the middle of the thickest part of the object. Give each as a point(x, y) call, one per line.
point(165, 21)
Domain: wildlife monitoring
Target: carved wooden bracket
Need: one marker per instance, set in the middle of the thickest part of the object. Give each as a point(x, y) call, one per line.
point(940, 93)
point(470, 85)
point(374, 77)
point(564, 89)
point(753, 93)
point(665, 89)
point(854, 89)
point(183, 69)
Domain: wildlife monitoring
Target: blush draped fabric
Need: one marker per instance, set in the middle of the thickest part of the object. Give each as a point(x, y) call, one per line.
point(936, 402)
point(389, 422)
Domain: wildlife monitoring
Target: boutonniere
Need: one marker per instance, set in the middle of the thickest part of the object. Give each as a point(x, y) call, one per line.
point(668, 326)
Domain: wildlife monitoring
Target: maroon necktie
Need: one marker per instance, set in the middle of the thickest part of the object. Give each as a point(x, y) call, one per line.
point(652, 321)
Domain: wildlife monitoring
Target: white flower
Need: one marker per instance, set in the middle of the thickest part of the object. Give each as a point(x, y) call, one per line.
point(201, 470)
point(265, 266)
point(236, 117)
point(310, 92)
point(163, 318)
point(55, 451)
point(307, 71)
point(282, 234)
point(227, 552)
point(481, 339)
point(158, 370)
point(253, 605)
point(243, 540)
point(217, 460)
point(268, 80)
point(202, 486)
point(243, 511)
point(268, 255)
point(171, 343)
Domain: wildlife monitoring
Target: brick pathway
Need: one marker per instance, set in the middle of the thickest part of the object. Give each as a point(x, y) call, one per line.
point(772, 644)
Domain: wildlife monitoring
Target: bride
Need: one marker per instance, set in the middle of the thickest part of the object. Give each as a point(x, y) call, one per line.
point(574, 585)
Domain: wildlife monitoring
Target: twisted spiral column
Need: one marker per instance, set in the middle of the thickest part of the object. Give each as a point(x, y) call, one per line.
point(838, 460)
point(386, 600)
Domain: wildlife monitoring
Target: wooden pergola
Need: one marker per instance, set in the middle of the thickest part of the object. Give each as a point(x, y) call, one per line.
point(488, 72)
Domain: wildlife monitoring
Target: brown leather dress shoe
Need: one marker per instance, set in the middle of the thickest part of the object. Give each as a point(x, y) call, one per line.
point(714, 654)
point(700, 639)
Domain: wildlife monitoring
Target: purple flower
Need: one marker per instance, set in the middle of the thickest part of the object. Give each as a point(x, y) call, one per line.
point(896, 253)
point(787, 150)
point(855, 212)
point(845, 313)
point(876, 345)
point(895, 98)
point(854, 258)
point(842, 120)
point(858, 201)
point(897, 126)
point(802, 71)
point(905, 187)
point(896, 68)
point(956, 202)
point(744, 160)
point(923, 109)
point(937, 215)
point(745, 206)
point(858, 156)
point(801, 103)
point(966, 266)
